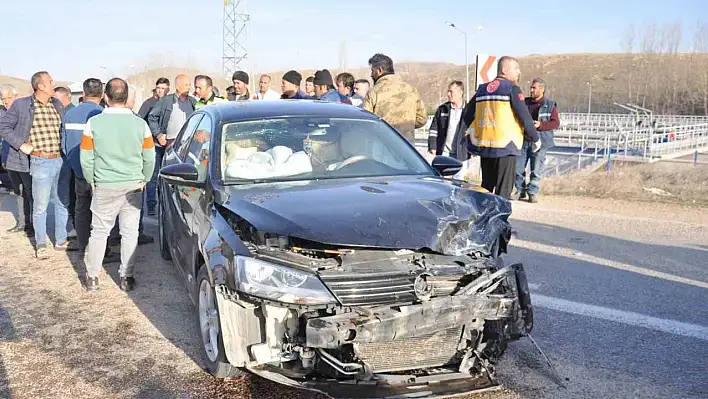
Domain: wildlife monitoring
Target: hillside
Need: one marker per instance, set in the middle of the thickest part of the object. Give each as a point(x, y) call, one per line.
point(664, 83)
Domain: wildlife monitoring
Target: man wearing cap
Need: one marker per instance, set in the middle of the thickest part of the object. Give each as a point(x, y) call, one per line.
point(325, 90)
point(240, 80)
point(290, 87)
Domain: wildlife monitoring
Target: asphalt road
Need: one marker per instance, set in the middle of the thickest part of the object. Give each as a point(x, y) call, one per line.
point(620, 293)
point(619, 290)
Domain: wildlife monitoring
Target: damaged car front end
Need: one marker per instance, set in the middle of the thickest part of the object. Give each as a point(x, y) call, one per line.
point(363, 322)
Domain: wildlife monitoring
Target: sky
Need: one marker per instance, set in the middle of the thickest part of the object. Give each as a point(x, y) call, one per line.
point(76, 39)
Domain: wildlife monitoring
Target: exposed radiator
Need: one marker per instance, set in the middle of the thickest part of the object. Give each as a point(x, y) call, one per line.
point(431, 350)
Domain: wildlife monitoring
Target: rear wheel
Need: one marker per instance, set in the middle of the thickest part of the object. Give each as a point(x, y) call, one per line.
point(210, 330)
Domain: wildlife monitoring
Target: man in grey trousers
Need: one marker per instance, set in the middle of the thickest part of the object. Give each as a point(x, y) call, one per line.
point(117, 160)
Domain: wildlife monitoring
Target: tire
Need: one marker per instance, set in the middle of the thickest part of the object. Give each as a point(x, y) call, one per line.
point(213, 354)
point(164, 245)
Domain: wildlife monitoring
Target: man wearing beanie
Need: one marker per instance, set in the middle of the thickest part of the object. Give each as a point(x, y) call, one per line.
point(325, 90)
point(290, 86)
point(240, 80)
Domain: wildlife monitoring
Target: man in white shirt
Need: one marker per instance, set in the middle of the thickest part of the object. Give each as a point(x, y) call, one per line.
point(264, 91)
point(447, 117)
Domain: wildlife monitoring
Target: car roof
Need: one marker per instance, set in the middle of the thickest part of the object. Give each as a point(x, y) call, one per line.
point(241, 110)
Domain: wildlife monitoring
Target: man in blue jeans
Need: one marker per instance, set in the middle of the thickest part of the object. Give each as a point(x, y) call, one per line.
point(32, 126)
point(544, 112)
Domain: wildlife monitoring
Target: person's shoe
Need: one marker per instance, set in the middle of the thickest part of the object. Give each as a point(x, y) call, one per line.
point(533, 198)
point(152, 211)
point(66, 246)
point(144, 239)
point(91, 283)
point(127, 283)
point(17, 229)
point(42, 252)
point(518, 195)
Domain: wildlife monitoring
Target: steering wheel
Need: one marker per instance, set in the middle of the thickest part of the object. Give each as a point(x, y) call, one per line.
point(351, 160)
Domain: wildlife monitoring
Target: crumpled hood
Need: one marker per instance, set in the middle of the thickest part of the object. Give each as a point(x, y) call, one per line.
point(395, 213)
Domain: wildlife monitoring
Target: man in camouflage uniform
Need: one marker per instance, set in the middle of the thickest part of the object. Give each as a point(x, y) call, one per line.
point(394, 100)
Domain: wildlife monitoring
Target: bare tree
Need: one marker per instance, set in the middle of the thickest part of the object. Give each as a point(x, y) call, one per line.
point(700, 45)
point(628, 42)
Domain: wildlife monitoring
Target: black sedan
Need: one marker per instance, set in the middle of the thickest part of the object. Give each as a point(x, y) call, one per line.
point(320, 247)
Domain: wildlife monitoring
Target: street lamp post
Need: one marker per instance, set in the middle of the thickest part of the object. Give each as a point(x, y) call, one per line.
point(467, 64)
point(589, 96)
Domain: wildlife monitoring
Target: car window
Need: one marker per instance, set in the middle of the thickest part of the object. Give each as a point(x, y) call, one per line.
point(316, 148)
point(198, 149)
point(181, 144)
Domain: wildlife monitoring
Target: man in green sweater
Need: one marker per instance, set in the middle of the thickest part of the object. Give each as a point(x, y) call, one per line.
point(117, 160)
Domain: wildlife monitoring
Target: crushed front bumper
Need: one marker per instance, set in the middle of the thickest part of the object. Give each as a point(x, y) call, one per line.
point(391, 342)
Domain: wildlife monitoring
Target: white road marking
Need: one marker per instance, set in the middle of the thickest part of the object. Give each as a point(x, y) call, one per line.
point(573, 254)
point(620, 316)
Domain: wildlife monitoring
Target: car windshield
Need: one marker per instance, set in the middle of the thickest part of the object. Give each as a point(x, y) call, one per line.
point(296, 148)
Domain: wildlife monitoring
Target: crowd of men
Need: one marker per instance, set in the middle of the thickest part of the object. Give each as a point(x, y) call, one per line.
point(98, 162)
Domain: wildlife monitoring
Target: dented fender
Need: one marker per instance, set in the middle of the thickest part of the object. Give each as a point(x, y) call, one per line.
point(220, 246)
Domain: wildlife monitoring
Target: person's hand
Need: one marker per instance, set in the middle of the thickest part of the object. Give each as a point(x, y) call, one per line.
point(162, 139)
point(536, 124)
point(26, 148)
point(537, 146)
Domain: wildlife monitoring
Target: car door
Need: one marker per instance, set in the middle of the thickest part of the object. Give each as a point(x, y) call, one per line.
point(198, 198)
point(178, 214)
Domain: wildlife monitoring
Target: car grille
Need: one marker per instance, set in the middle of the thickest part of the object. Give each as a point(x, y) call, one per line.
point(430, 350)
point(370, 291)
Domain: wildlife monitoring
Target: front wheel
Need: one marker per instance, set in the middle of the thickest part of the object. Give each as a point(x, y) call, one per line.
point(210, 330)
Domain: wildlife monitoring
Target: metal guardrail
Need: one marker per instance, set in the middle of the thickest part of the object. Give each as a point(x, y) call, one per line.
point(598, 135)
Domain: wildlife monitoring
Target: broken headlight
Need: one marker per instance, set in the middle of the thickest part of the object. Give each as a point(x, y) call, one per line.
point(280, 283)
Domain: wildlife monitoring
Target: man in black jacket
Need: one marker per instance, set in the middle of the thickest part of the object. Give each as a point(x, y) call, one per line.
point(447, 117)
point(162, 88)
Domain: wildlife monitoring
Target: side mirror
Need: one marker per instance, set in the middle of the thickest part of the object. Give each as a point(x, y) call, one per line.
point(181, 174)
point(446, 166)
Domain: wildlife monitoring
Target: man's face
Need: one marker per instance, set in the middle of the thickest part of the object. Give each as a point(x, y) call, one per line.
point(537, 90)
point(513, 71)
point(203, 89)
point(343, 89)
point(8, 99)
point(288, 87)
point(62, 97)
point(320, 90)
point(240, 87)
point(264, 84)
point(162, 89)
point(46, 86)
point(309, 87)
point(376, 73)
point(183, 86)
point(361, 89)
point(454, 94)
